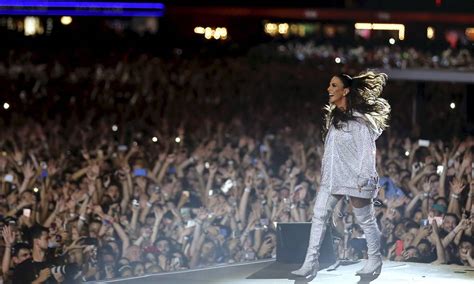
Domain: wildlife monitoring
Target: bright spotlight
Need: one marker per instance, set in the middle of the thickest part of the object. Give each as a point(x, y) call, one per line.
point(337, 60)
point(35, 189)
point(6, 105)
point(114, 128)
point(199, 30)
point(430, 32)
point(154, 139)
point(66, 20)
point(391, 41)
point(407, 153)
point(177, 140)
point(452, 105)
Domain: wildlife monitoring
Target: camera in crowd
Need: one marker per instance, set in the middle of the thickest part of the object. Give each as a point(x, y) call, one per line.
point(68, 272)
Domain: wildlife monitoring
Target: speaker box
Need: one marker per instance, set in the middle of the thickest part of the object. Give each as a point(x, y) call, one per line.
point(292, 243)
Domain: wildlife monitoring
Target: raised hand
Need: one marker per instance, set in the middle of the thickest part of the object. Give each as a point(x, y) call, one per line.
point(456, 186)
point(8, 236)
point(28, 171)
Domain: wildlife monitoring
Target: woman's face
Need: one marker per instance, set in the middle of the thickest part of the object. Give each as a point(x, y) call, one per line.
point(337, 92)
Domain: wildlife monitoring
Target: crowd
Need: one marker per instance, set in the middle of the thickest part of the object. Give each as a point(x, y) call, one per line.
point(137, 165)
point(381, 56)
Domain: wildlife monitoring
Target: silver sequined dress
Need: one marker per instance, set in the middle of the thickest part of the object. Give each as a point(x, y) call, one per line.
point(348, 164)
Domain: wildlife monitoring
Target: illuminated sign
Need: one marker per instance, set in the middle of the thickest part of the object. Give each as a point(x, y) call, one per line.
point(81, 8)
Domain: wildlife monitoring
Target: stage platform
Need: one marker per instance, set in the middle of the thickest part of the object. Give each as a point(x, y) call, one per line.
point(270, 271)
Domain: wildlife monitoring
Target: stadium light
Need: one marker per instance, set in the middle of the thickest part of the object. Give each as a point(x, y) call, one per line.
point(66, 20)
point(32, 26)
point(382, 27)
point(430, 32)
point(199, 30)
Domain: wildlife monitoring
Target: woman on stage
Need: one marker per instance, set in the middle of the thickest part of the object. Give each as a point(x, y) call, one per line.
point(355, 118)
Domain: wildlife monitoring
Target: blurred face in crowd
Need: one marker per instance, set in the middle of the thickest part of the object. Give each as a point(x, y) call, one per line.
point(465, 248)
point(408, 239)
point(207, 251)
point(113, 193)
point(434, 183)
point(42, 242)
point(411, 253)
point(163, 246)
point(424, 249)
point(139, 270)
point(449, 223)
point(94, 228)
point(392, 169)
point(337, 92)
point(23, 255)
point(28, 197)
point(126, 272)
point(133, 253)
point(399, 231)
point(417, 217)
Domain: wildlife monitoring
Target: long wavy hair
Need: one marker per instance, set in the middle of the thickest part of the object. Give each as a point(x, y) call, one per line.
point(364, 97)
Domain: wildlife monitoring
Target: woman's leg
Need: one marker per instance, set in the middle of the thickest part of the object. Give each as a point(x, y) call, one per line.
point(364, 212)
point(325, 202)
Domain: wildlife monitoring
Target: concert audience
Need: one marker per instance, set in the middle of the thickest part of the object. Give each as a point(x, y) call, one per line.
point(138, 165)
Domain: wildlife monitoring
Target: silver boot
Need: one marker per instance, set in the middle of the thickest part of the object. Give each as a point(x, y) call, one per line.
point(366, 218)
point(325, 202)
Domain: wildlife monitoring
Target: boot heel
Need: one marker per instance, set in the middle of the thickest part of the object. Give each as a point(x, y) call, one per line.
point(376, 272)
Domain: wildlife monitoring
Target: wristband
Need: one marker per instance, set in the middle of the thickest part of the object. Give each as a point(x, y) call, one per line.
point(247, 189)
point(455, 196)
point(82, 218)
point(149, 204)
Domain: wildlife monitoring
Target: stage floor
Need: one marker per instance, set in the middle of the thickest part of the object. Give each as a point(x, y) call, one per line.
point(392, 272)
